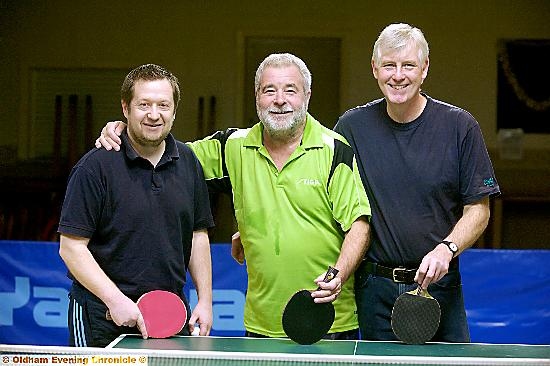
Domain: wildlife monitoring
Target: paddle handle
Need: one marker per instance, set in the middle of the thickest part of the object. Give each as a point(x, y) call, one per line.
point(331, 273)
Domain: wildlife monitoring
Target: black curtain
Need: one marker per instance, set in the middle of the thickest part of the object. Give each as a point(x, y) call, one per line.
point(523, 97)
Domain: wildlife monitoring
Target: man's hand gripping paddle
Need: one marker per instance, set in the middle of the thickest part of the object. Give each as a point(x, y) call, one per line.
point(164, 313)
point(304, 320)
point(415, 316)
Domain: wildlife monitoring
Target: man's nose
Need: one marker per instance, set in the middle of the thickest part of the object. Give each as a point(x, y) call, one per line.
point(154, 112)
point(279, 97)
point(398, 74)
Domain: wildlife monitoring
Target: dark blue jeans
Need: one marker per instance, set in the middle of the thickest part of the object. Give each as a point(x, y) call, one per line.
point(375, 297)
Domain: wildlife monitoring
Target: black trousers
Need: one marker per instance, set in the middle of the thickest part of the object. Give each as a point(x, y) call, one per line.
point(88, 324)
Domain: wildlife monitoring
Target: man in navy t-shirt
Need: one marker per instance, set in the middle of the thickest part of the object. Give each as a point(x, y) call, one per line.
point(428, 178)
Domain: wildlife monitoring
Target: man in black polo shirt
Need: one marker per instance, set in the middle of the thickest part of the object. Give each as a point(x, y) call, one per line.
point(135, 220)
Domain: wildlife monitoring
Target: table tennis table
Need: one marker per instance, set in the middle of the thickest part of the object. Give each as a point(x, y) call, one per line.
point(279, 351)
point(132, 350)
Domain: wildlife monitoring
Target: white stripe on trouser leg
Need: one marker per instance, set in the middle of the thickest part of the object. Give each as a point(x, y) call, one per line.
point(78, 326)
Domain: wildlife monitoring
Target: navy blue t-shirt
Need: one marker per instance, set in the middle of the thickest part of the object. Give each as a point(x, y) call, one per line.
point(418, 175)
point(139, 218)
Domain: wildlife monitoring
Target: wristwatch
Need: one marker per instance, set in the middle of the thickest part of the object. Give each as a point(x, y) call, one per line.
point(452, 246)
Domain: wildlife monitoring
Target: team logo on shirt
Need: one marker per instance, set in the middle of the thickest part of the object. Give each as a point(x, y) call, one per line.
point(309, 182)
point(489, 182)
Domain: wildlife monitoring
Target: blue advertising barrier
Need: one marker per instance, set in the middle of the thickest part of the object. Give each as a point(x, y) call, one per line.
point(34, 292)
point(507, 294)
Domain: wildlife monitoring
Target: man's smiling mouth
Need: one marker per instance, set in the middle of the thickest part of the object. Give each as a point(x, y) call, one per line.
point(280, 112)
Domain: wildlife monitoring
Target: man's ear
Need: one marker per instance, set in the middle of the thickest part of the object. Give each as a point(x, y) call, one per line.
point(425, 68)
point(308, 96)
point(374, 69)
point(124, 108)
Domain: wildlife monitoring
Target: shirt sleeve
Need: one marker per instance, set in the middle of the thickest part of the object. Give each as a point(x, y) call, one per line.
point(203, 214)
point(477, 177)
point(81, 209)
point(346, 190)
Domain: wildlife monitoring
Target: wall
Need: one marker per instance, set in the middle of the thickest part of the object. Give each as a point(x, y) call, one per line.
point(201, 41)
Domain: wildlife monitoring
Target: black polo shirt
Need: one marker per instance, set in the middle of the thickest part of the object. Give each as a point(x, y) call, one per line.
point(139, 218)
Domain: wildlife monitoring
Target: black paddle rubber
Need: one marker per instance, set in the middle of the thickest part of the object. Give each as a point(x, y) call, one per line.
point(415, 317)
point(305, 321)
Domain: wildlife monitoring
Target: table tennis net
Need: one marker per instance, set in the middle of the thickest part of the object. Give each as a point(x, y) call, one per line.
point(25, 355)
point(18, 355)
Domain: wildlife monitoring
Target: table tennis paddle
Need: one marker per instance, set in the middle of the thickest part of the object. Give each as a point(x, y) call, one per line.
point(304, 320)
point(415, 316)
point(163, 312)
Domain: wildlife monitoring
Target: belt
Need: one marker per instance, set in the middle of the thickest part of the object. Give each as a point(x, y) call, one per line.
point(397, 275)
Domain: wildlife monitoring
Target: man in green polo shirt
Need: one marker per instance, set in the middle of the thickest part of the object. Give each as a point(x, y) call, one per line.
point(299, 202)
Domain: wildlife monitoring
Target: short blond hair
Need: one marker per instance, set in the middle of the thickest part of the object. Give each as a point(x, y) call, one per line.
point(398, 36)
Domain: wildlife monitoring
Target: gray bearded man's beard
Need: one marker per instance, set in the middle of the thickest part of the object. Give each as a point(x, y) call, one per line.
point(282, 129)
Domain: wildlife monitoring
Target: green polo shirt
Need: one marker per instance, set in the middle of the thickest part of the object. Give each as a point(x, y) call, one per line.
point(292, 222)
